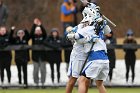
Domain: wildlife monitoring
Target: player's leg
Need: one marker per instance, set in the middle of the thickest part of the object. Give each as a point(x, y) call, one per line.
point(72, 80)
point(76, 61)
point(83, 84)
point(100, 86)
point(70, 84)
point(73, 73)
point(90, 71)
point(102, 76)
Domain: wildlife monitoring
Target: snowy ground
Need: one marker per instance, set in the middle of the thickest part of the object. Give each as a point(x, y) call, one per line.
point(118, 76)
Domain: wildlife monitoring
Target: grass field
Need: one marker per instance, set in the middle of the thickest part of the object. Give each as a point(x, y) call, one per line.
point(62, 90)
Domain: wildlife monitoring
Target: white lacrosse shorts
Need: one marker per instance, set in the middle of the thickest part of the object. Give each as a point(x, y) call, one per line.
point(77, 59)
point(76, 62)
point(96, 69)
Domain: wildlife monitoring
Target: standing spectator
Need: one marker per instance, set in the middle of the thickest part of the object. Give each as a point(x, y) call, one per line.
point(67, 45)
point(5, 55)
point(111, 40)
point(67, 14)
point(130, 57)
point(54, 56)
point(75, 13)
point(21, 56)
point(38, 35)
point(3, 13)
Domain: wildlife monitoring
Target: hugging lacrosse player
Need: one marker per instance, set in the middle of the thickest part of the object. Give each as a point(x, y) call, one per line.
point(89, 35)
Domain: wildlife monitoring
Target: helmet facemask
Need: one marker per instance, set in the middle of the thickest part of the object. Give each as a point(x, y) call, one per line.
point(89, 15)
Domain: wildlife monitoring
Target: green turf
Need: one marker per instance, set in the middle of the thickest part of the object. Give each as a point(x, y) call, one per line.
point(62, 90)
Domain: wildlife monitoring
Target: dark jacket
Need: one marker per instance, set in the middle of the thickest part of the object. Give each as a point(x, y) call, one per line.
point(38, 40)
point(67, 46)
point(22, 54)
point(111, 52)
point(5, 55)
point(130, 53)
point(55, 44)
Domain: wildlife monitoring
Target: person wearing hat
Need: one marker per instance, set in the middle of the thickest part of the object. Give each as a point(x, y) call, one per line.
point(130, 57)
point(21, 56)
point(54, 56)
point(110, 39)
point(38, 35)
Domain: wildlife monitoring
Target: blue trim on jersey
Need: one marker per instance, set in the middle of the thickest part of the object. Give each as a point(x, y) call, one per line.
point(104, 24)
point(101, 35)
point(86, 67)
point(75, 29)
point(92, 40)
point(97, 55)
point(80, 36)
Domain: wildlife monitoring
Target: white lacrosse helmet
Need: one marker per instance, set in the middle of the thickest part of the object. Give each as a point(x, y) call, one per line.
point(89, 15)
point(94, 6)
point(89, 11)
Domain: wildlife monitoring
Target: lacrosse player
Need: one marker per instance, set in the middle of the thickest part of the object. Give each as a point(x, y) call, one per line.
point(97, 65)
point(78, 55)
point(77, 58)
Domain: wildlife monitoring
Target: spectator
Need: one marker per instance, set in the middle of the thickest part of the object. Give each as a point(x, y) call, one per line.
point(5, 55)
point(3, 13)
point(54, 41)
point(38, 35)
point(75, 13)
point(130, 57)
point(111, 40)
point(67, 13)
point(67, 45)
point(21, 56)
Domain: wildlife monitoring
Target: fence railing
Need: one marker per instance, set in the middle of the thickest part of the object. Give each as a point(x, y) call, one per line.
point(43, 47)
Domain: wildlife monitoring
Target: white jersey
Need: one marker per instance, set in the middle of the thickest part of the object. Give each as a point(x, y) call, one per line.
point(88, 35)
point(77, 57)
point(97, 66)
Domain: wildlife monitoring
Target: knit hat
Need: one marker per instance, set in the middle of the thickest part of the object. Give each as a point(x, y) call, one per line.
point(129, 32)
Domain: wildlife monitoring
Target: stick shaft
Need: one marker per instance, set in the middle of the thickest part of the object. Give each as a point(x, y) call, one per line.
point(112, 23)
point(86, 59)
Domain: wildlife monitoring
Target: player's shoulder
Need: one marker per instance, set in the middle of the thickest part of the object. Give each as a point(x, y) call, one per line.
point(88, 28)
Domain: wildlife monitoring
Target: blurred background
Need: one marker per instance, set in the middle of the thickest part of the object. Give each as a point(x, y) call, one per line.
point(124, 13)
